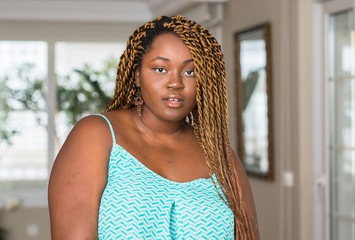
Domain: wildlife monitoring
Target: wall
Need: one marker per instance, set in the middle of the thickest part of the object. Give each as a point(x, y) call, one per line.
point(302, 154)
point(66, 31)
point(239, 15)
point(283, 212)
point(19, 222)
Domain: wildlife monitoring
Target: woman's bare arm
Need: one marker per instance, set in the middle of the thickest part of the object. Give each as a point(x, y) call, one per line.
point(78, 179)
point(247, 194)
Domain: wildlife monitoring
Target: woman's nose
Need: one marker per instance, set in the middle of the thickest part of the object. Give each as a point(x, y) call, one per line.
point(175, 82)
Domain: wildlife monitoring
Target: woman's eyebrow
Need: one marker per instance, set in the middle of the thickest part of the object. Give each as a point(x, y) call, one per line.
point(160, 58)
point(168, 60)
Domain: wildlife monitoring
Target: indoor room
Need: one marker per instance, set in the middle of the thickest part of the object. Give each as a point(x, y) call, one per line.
point(290, 71)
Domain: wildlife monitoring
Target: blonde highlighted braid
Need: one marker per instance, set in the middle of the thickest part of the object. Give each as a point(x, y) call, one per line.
point(210, 116)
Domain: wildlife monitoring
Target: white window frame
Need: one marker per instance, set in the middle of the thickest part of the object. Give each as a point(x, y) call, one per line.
point(321, 170)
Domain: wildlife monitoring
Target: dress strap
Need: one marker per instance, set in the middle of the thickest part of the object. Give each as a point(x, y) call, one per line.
point(110, 125)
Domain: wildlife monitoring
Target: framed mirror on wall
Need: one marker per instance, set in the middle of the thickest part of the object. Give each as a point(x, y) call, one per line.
point(254, 118)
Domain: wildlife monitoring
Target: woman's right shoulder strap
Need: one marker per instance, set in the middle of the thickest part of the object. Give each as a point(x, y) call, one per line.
point(111, 128)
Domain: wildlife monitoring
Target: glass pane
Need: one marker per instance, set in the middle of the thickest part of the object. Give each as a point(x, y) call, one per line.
point(86, 74)
point(342, 125)
point(23, 118)
point(255, 102)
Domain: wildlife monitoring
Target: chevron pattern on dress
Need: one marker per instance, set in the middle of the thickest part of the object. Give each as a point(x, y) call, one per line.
point(137, 203)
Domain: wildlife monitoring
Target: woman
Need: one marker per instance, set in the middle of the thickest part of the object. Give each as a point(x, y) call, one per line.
point(157, 164)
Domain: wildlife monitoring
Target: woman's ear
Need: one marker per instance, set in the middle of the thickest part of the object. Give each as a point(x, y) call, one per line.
point(137, 78)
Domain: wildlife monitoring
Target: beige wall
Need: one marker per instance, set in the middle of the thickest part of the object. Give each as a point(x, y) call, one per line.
point(303, 153)
point(18, 221)
point(283, 213)
point(66, 31)
point(239, 15)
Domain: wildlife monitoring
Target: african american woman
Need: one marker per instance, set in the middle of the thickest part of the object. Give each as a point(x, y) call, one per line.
point(157, 163)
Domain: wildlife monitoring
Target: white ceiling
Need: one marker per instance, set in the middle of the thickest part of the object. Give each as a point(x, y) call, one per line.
point(92, 10)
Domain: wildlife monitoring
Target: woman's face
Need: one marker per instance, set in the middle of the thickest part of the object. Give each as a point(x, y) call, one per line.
point(167, 79)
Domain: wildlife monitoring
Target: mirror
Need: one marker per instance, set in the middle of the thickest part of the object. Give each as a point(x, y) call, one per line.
point(253, 75)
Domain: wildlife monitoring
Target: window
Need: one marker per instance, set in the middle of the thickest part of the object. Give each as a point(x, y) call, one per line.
point(84, 74)
point(341, 65)
point(23, 135)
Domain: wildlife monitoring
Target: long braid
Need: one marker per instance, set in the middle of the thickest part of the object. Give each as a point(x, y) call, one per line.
point(210, 116)
point(125, 88)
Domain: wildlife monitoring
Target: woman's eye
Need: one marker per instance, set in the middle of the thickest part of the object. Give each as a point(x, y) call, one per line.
point(159, 70)
point(190, 73)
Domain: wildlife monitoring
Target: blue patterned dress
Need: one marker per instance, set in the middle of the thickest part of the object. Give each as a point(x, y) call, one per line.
point(137, 203)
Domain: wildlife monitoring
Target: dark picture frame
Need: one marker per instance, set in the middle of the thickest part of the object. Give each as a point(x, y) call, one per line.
point(254, 108)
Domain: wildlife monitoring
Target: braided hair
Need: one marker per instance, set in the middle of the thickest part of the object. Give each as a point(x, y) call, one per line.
point(210, 116)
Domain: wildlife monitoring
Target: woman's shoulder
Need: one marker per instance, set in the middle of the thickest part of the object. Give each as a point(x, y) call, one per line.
point(92, 126)
point(98, 125)
point(92, 132)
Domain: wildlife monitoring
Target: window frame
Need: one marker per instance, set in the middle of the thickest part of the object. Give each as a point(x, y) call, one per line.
point(321, 122)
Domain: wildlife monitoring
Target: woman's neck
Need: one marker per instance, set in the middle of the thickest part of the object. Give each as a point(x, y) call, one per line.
point(156, 128)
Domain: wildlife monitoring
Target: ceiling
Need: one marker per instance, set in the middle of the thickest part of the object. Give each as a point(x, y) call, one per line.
point(93, 10)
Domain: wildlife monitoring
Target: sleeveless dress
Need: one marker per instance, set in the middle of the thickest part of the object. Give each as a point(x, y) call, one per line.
point(137, 203)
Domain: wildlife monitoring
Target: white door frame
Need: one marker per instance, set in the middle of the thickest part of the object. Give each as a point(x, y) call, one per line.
point(321, 172)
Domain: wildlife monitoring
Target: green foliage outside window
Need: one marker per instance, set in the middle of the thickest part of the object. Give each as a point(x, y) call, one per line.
point(81, 92)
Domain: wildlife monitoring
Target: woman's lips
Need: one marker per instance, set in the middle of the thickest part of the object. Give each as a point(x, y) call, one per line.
point(173, 102)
